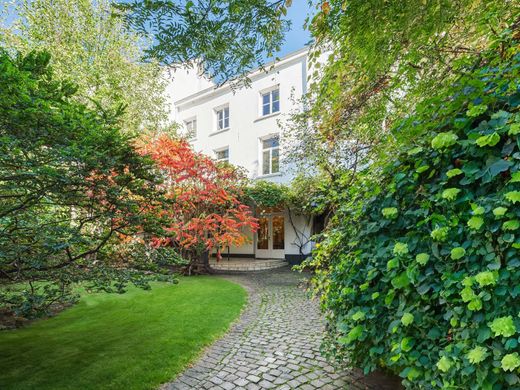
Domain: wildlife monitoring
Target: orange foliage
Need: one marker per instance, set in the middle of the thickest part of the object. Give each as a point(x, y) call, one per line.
point(205, 212)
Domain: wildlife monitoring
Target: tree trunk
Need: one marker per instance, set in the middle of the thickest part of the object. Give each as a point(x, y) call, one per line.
point(199, 264)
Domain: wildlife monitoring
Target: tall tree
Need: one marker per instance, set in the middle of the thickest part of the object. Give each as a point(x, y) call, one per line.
point(93, 48)
point(227, 38)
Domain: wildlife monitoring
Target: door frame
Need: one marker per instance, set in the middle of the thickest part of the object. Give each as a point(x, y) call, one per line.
point(270, 252)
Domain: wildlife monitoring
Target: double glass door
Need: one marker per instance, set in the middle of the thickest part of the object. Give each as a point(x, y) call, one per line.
point(270, 242)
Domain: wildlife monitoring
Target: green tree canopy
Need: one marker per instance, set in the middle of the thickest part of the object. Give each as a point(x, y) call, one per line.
point(227, 38)
point(92, 48)
point(373, 61)
point(70, 183)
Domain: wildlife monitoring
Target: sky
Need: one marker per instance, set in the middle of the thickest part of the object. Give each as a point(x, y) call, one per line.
point(297, 37)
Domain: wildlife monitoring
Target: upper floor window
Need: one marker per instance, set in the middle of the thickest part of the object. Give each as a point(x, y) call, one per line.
point(222, 118)
point(270, 156)
point(222, 154)
point(271, 102)
point(191, 128)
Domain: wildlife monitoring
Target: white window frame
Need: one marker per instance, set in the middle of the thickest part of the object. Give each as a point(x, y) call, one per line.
point(270, 150)
point(270, 104)
point(191, 133)
point(224, 149)
point(220, 123)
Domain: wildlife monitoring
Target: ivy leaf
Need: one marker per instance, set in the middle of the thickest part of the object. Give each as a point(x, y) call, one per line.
point(407, 344)
point(450, 193)
point(467, 294)
point(488, 140)
point(514, 129)
point(359, 315)
point(511, 224)
point(486, 278)
point(440, 234)
point(354, 334)
point(515, 177)
point(503, 326)
point(444, 140)
point(498, 166)
point(401, 280)
point(476, 110)
point(389, 212)
point(400, 248)
point(444, 364)
point(453, 172)
point(392, 263)
point(458, 253)
point(477, 355)
point(407, 319)
point(422, 258)
point(499, 211)
point(513, 196)
point(475, 223)
point(422, 168)
point(510, 361)
point(475, 304)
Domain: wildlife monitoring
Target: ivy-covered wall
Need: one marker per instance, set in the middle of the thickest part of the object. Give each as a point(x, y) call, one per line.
point(422, 277)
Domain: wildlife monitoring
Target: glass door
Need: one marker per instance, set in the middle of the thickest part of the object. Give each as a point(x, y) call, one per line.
point(270, 243)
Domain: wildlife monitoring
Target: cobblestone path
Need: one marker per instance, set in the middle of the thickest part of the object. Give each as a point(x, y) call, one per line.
point(274, 345)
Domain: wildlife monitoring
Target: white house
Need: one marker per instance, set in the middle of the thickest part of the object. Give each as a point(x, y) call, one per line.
point(241, 126)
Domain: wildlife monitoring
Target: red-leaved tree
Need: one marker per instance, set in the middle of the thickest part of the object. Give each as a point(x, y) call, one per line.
point(205, 214)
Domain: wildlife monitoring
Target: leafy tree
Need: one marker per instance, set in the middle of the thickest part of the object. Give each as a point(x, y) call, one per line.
point(373, 61)
point(227, 38)
point(420, 272)
point(70, 184)
point(206, 212)
point(92, 48)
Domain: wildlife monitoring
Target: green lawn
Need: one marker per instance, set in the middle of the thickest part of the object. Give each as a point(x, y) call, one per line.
point(137, 340)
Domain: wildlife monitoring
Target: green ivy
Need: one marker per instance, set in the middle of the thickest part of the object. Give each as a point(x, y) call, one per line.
point(431, 258)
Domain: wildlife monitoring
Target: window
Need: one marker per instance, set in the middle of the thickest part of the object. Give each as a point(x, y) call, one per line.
point(222, 154)
point(271, 102)
point(191, 128)
point(270, 156)
point(222, 118)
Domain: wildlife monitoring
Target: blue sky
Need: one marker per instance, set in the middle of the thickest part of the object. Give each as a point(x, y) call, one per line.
point(297, 37)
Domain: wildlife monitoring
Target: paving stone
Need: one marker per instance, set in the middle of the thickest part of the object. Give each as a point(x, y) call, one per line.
point(266, 385)
point(241, 382)
point(274, 344)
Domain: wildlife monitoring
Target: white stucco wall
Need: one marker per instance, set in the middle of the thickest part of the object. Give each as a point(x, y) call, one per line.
point(247, 126)
point(196, 97)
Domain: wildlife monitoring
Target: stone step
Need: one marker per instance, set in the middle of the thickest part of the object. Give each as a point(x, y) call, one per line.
point(247, 264)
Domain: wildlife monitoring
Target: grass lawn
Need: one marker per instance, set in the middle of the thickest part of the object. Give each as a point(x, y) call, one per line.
point(137, 340)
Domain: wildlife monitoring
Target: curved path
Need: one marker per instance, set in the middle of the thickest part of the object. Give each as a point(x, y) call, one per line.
point(274, 345)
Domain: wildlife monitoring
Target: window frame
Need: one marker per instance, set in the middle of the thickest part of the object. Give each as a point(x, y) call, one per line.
point(225, 118)
point(270, 150)
point(271, 102)
point(193, 130)
point(220, 150)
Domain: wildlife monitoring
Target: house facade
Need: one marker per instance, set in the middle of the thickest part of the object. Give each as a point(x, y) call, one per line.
point(242, 127)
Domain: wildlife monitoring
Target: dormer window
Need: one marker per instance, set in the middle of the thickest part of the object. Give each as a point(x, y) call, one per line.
point(271, 102)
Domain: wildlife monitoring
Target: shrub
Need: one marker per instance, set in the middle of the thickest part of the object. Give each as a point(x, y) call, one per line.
point(426, 283)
